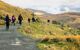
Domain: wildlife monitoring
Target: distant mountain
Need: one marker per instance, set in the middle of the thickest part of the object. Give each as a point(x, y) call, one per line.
point(39, 12)
point(69, 8)
point(66, 17)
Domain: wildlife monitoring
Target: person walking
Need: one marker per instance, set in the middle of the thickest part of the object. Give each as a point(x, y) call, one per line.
point(29, 20)
point(13, 19)
point(7, 20)
point(20, 18)
point(33, 19)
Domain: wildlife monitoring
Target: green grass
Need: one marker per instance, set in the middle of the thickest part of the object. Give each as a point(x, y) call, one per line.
point(50, 31)
point(12, 10)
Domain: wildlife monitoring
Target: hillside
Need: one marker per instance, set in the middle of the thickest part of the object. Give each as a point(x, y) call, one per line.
point(50, 36)
point(53, 36)
point(71, 18)
point(12, 10)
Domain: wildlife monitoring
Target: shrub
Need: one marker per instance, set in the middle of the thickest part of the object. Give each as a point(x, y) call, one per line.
point(70, 40)
point(45, 40)
point(54, 22)
point(56, 40)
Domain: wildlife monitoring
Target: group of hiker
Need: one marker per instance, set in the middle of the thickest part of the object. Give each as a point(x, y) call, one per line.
point(13, 19)
point(20, 18)
point(32, 20)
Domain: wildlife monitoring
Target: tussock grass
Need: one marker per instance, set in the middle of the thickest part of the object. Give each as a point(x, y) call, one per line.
point(52, 37)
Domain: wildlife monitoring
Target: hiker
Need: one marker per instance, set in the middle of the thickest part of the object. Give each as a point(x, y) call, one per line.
point(7, 21)
point(29, 20)
point(20, 18)
point(48, 21)
point(33, 19)
point(13, 19)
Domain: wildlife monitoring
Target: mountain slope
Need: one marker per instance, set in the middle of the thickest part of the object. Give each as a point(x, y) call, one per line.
point(40, 12)
point(12, 10)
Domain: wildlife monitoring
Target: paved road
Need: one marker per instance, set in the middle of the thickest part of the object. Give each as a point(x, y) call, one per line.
point(13, 40)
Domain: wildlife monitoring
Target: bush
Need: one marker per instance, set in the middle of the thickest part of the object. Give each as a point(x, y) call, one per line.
point(56, 40)
point(54, 22)
point(70, 40)
point(45, 40)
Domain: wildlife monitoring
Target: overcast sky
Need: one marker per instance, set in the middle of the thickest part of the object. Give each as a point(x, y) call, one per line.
point(51, 6)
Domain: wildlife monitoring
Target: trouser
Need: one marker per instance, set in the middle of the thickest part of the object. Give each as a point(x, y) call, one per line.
point(13, 22)
point(7, 25)
point(20, 22)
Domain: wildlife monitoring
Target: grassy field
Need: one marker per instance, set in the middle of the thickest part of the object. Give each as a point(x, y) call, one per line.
point(53, 36)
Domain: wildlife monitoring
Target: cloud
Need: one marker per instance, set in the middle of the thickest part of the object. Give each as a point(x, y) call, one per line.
point(46, 5)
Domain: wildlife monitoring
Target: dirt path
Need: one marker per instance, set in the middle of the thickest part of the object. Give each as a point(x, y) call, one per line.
point(13, 40)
